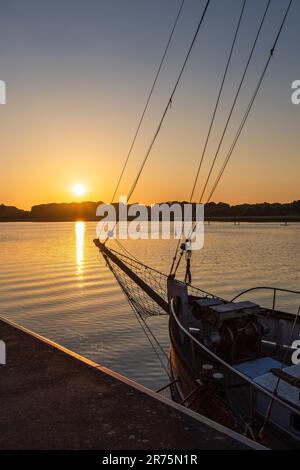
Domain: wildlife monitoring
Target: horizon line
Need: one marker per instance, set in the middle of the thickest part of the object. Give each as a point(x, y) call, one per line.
point(149, 204)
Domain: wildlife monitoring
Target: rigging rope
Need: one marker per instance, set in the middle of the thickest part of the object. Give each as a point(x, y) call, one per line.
point(149, 334)
point(125, 250)
point(218, 98)
point(249, 106)
point(213, 117)
point(141, 301)
point(235, 100)
point(153, 341)
point(126, 270)
point(245, 117)
point(148, 100)
point(170, 100)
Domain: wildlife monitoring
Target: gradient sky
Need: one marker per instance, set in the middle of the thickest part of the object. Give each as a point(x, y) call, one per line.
point(78, 73)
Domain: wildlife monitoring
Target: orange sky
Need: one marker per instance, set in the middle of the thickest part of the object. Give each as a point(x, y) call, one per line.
point(74, 96)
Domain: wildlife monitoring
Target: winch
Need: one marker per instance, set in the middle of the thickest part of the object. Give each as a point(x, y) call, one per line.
point(233, 330)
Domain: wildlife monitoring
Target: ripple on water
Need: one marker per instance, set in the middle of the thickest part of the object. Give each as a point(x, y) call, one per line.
point(54, 281)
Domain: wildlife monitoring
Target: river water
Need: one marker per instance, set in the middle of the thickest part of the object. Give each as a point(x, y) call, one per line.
point(54, 281)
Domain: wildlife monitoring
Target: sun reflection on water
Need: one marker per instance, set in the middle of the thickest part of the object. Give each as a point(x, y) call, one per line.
point(79, 229)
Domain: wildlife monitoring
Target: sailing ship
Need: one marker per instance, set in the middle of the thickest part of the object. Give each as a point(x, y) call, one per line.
point(230, 359)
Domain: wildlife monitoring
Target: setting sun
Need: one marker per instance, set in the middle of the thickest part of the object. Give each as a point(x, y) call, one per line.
point(79, 189)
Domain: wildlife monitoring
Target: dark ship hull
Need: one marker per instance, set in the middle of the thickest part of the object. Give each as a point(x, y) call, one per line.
point(231, 361)
point(223, 356)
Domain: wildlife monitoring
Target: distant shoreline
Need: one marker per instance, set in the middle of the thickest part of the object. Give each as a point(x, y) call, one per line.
point(207, 219)
point(213, 212)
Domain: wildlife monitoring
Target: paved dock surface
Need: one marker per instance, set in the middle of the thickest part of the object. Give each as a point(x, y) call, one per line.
point(53, 399)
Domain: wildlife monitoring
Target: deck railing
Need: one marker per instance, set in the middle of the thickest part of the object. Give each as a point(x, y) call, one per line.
point(275, 290)
point(256, 386)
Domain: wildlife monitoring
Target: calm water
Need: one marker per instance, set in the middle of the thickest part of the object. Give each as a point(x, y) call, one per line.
point(54, 281)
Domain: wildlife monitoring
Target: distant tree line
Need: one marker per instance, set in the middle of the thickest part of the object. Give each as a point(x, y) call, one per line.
point(87, 211)
point(264, 209)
